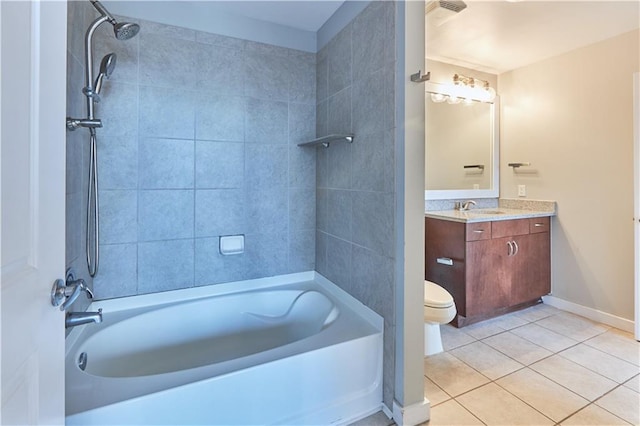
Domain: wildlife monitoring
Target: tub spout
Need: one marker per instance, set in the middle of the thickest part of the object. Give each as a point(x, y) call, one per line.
point(78, 318)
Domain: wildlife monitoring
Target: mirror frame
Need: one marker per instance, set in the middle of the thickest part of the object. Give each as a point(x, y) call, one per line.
point(494, 191)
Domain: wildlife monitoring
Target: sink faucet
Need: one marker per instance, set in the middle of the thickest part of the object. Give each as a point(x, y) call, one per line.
point(465, 205)
point(78, 318)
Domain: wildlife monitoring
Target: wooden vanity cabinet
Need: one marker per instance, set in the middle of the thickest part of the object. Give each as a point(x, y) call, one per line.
point(489, 268)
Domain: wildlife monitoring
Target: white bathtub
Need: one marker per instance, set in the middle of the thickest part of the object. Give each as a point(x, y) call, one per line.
point(293, 349)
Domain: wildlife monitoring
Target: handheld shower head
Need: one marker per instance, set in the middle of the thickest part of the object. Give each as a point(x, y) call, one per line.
point(125, 30)
point(107, 66)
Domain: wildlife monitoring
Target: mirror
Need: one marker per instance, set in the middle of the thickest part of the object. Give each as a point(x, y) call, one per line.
point(462, 148)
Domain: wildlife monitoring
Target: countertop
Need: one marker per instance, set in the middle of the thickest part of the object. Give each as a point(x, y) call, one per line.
point(487, 214)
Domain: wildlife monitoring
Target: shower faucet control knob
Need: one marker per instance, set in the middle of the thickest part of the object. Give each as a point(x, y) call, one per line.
point(64, 293)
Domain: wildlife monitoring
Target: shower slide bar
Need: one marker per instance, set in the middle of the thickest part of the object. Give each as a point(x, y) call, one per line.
point(122, 31)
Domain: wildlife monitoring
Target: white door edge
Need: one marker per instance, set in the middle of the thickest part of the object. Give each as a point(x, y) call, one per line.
point(33, 107)
point(636, 202)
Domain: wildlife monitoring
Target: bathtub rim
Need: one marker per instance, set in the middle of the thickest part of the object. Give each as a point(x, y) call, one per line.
point(195, 293)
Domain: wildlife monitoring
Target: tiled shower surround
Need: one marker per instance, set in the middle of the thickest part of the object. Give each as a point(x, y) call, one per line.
point(199, 141)
point(355, 192)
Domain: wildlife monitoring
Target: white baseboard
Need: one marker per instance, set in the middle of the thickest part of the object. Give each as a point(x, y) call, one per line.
point(413, 414)
point(590, 313)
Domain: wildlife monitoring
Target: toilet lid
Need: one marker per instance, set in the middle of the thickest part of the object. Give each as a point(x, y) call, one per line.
point(436, 296)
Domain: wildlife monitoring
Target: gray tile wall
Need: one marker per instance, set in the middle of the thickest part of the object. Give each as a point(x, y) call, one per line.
point(199, 141)
point(355, 198)
point(79, 15)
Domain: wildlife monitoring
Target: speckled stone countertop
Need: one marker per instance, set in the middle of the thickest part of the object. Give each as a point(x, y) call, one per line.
point(507, 209)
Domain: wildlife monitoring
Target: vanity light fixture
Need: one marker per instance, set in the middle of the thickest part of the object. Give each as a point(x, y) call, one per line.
point(464, 89)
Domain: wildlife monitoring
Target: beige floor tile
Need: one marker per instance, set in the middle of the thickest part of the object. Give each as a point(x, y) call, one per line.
point(634, 384)
point(574, 377)
point(544, 337)
point(625, 334)
point(546, 396)
point(618, 344)
point(573, 326)
point(454, 337)
point(451, 413)
point(600, 362)
point(536, 312)
point(483, 329)
point(623, 402)
point(434, 393)
point(517, 348)
point(376, 419)
point(593, 415)
point(486, 360)
point(509, 321)
point(452, 375)
point(495, 406)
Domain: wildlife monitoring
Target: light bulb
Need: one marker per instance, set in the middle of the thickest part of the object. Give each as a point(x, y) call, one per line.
point(438, 97)
point(455, 92)
point(491, 94)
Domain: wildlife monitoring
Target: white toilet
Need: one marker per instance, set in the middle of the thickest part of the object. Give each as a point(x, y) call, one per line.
point(439, 308)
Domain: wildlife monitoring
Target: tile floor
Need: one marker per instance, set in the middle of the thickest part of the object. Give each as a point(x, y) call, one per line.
point(538, 366)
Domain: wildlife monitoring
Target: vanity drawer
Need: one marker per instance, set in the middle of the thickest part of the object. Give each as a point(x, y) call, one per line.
point(509, 228)
point(478, 231)
point(538, 224)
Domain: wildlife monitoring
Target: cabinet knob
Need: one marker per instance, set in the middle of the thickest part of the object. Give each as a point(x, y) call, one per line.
point(510, 248)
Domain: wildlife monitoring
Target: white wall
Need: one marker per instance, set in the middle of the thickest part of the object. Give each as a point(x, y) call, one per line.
point(410, 405)
point(571, 117)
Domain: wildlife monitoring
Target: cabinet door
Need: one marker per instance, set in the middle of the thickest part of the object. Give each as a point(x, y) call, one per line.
point(488, 276)
point(532, 272)
point(444, 240)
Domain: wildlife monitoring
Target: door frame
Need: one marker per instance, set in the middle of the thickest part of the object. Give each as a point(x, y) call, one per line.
point(636, 198)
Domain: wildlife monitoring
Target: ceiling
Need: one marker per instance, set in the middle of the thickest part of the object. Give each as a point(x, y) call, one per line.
point(307, 15)
point(303, 15)
point(498, 36)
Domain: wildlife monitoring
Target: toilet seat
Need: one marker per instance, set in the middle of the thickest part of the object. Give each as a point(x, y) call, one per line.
point(436, 296)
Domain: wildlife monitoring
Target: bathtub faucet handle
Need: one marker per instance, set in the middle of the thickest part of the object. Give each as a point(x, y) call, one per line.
point(88, 291)
point(70, 291)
